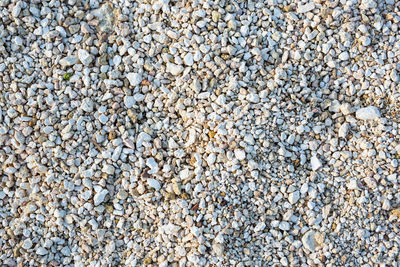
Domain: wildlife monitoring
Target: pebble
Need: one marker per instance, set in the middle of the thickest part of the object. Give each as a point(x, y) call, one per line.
point(68, 61)
point(188, 59)
point(315, 163)
point(346, 109)
point(103, 119)
point(153, 183)
point(259, 227)
point(344, 56)
point(153, 165)
point(343, 130)
point(84, 57)
point(87, 105)
point(27, 244)
point(284, 226)
point(174, 69)
point(368, 4)
point(240, 154)
point(41, 251)
point(308, 240)
point(100, 196)
point(294, 197)
point(218, 249)
point(129, 101)
point(141, 138)
point(109, 169)
point(134, 78)
point(353, 184)
point(368, 113)
point(306, 7)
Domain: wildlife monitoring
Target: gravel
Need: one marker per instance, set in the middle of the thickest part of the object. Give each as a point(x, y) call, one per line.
point(199, 133)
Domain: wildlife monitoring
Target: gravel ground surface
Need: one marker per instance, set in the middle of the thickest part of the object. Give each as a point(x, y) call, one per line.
point(199, 133)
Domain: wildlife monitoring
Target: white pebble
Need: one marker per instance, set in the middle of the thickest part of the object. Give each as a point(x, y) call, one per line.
point(309, 241)
point(27, 244)
point(306, 8)
point(134, 78)
point(100, 196)
point(343, 130)
point(284, 226)
point(344, 56)
point(294, 197)
point(153, 165)
point(153, 183)
point(87, 105)
point(368, 113)
point(188, 59)
point(240, 154)
point(315, 163)
point(41, 251)
point(84, 57)
point(174, 69)
point(129, 101)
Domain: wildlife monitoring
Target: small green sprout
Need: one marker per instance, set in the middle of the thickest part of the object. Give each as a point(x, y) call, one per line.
point(67, 76)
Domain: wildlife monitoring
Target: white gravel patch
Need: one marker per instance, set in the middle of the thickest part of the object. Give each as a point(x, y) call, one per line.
point(199, 133)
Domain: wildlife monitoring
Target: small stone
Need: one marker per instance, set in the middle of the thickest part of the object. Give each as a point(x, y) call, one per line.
point(18, 41)
point(174, 69)
point(344, 56)
point(215, 15)
point(141, 138)
point(308, 240)
point(253, 98)
point(240, 154)
point(368, 4)
point(153, 183)
point(100, 196)
point(134, 78)
point(66, 251)
point(27, 244)
point(139, 97)
point(106, 17)
point(232, 24)
point(395, 76)
point(306, 8)
point(392, 178)
point(129, 101)
point(122, 194)
point(153, 165)
point(218, 248)
point(346, 109)
point(368, 113)
point(284, 226)
point(259, 227)
point(109, 169)
point(177, 189)
point(184, 174)
point(294, 197)
point(353, 184)
point(326, 47)
point(343, 130)
point(87, 105)
point(16, 9)
point(84, 57)
point(103, 119)
point(188, 59)
point(41, 251)
point(315, 163)
point(386, 204)
point(68, 61)
point(172, 34)
point(291, 139)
